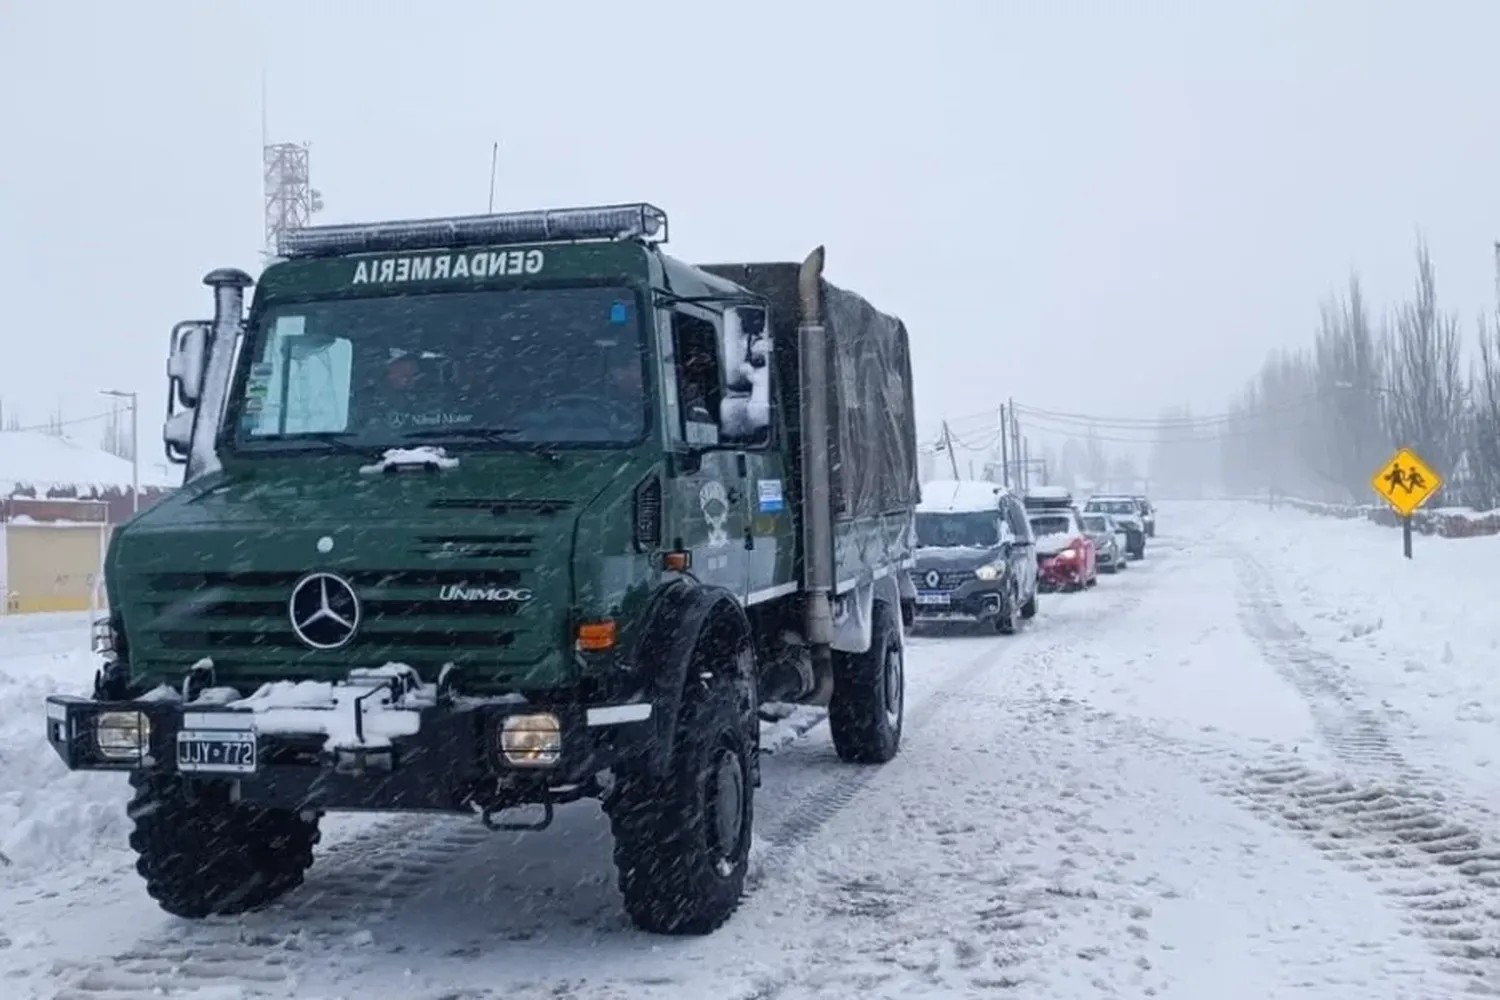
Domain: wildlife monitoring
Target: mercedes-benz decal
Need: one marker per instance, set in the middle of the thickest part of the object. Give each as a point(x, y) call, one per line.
point(324, 610)
point(933, 578)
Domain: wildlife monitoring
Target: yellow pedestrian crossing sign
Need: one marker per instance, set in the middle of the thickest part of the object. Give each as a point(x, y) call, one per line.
point(1406, 482)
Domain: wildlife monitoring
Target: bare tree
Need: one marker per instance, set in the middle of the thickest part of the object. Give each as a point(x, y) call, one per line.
point(1427, 395)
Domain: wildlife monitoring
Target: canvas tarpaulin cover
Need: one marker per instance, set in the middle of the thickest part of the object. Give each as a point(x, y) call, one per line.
point(872, 442)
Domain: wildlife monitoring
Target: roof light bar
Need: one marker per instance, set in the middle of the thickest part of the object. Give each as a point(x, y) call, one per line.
point(560, 225)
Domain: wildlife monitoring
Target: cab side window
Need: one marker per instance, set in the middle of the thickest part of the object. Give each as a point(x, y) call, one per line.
point(723, 375)
point(699, 390)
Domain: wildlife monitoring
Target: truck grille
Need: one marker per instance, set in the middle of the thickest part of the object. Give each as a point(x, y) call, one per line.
point(241, 619)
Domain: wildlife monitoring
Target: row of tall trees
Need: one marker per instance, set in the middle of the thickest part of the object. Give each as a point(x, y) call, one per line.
point(1317, 422)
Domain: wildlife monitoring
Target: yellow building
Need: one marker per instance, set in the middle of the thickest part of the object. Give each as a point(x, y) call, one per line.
point(52, 553)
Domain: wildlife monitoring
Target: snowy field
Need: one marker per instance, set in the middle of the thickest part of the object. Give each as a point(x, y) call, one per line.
point(1261, 764)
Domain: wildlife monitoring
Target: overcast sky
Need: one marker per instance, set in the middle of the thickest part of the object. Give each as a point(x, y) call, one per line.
point(1093, 207)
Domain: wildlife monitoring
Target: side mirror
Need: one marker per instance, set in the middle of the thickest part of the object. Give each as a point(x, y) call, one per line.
point(745, 344)
point(187, 360)
point(177, 434)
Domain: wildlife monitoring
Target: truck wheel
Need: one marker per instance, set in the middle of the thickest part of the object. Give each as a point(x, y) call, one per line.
point(203, 855)
point(868, 707)
point(682, 842)
point(1028, 610)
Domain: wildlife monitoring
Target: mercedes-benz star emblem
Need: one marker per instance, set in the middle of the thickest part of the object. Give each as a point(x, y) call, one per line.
point(324, 610)
point(933, 578)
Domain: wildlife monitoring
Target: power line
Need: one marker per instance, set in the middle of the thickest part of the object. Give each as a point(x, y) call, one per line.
point(1147, 423)
point(58, 423)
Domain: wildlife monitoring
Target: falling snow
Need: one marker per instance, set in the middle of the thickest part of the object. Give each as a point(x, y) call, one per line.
point(1259, 765)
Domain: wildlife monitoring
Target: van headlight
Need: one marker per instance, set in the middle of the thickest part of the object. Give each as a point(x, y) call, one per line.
point(991, 572)
point(122, 735)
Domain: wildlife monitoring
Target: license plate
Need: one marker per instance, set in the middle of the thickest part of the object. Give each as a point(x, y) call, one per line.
point(217, 752)
point(934, 600)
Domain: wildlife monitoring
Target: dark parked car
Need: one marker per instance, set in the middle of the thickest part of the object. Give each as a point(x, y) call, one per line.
point(975, 558)
point(1148, 515)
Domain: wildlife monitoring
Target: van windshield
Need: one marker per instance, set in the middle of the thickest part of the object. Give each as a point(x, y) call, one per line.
point(970, 529)
point(555, 366)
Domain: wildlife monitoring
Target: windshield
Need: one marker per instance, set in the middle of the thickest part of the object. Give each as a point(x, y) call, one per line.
point(526, 366)
point(1115, 506)
point(1052, 524)
point(973, 530)
point(1096, 524)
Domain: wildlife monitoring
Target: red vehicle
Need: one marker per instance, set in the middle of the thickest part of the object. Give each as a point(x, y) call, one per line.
point(1065, 554)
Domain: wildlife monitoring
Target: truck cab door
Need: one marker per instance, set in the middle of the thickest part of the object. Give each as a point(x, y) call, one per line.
point(708, 489)
point(748, 418)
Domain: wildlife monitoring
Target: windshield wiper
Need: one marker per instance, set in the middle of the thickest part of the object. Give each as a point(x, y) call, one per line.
point(472, 433)
point(333, 440)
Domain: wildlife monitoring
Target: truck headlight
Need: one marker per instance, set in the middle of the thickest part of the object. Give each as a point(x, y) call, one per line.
point(990, 572)
point(531, 740)
point(122, 735)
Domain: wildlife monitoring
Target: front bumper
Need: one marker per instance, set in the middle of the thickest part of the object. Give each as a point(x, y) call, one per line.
point(1053, 574)
point(449, 754)
point(975, 600)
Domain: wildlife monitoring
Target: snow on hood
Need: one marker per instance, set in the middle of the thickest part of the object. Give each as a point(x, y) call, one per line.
point(1051, 545)
point(955, 556)
point(395, 458)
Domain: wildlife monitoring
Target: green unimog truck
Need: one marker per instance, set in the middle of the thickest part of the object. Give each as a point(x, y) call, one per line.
point(494, 513)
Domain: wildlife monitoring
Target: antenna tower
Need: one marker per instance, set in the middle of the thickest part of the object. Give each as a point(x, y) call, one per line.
point(291, 200)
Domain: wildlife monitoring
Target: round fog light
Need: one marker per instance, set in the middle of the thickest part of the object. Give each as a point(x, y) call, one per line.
point(531, 740)
point(122, 735)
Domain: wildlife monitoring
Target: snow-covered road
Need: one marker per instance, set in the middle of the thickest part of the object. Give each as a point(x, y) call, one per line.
point(1247, 768)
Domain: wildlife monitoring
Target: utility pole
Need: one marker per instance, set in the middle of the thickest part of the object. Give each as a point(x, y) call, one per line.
point(1025, 464)
point(1015, 440)
point(948, 446)
point(135, 446)
point(1004, 453)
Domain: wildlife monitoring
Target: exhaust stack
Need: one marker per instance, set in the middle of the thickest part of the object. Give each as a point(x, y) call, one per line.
point(229, 286)
point(817, 506)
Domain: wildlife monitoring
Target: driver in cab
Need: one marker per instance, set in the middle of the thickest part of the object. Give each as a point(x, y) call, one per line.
point(406, 396)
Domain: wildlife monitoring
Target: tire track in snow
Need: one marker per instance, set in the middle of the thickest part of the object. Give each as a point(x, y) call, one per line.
point(813, 808)
point(1022, 907)
point(351, 885)
point(1385, 818)
point(1358, 734)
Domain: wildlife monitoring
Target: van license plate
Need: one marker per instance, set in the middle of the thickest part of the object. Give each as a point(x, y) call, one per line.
point(934, 600)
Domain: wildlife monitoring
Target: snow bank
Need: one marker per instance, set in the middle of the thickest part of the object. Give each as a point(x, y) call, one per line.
point(49, 816)
point(1447, 522)
point(45, 461)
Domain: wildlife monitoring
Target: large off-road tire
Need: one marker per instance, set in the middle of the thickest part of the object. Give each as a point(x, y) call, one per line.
point(1028, 610)
point(203, 855)
point(868, 708)
point(682, 841)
